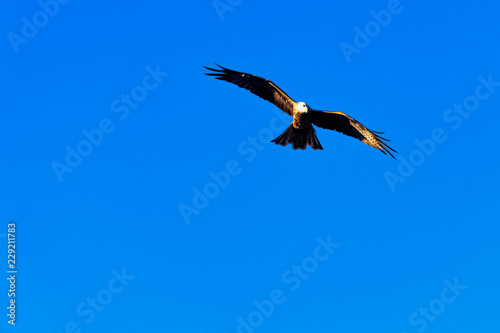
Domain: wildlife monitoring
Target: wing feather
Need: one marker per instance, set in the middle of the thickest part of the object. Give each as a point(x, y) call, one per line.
point(340, 122)
point(257, 85)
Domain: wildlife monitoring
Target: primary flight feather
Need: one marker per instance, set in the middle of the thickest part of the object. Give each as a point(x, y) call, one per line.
point(301, 133)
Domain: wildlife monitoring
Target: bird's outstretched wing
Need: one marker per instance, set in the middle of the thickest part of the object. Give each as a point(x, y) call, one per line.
point(344, 124)
point(259, 86)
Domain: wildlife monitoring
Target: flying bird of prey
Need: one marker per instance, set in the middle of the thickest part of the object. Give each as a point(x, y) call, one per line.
point(301, 133)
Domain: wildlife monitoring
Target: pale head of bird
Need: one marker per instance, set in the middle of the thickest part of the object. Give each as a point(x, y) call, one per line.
point(302, 107)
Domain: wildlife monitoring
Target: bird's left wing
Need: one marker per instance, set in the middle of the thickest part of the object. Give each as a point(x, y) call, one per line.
point(259, 86)
point(344, 124)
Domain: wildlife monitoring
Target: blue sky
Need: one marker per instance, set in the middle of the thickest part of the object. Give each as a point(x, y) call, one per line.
point(148, 198)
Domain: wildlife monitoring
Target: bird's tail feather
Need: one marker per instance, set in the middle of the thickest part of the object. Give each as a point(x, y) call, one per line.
point(299, 138)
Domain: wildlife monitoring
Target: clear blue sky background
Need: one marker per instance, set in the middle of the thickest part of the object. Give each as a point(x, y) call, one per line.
point(415, 239)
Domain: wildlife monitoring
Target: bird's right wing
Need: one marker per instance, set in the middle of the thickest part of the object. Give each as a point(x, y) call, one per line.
point(344, 124)
point(257, 85)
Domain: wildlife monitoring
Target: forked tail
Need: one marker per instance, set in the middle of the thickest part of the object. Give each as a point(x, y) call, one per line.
point(299, 138)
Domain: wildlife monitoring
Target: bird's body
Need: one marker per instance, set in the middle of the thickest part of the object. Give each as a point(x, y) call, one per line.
point(300, 115)
point(301, 132)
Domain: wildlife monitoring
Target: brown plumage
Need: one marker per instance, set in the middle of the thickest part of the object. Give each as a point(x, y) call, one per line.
point(301, 133)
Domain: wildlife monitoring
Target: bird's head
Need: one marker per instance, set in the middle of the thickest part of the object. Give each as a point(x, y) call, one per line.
point(302, 107)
